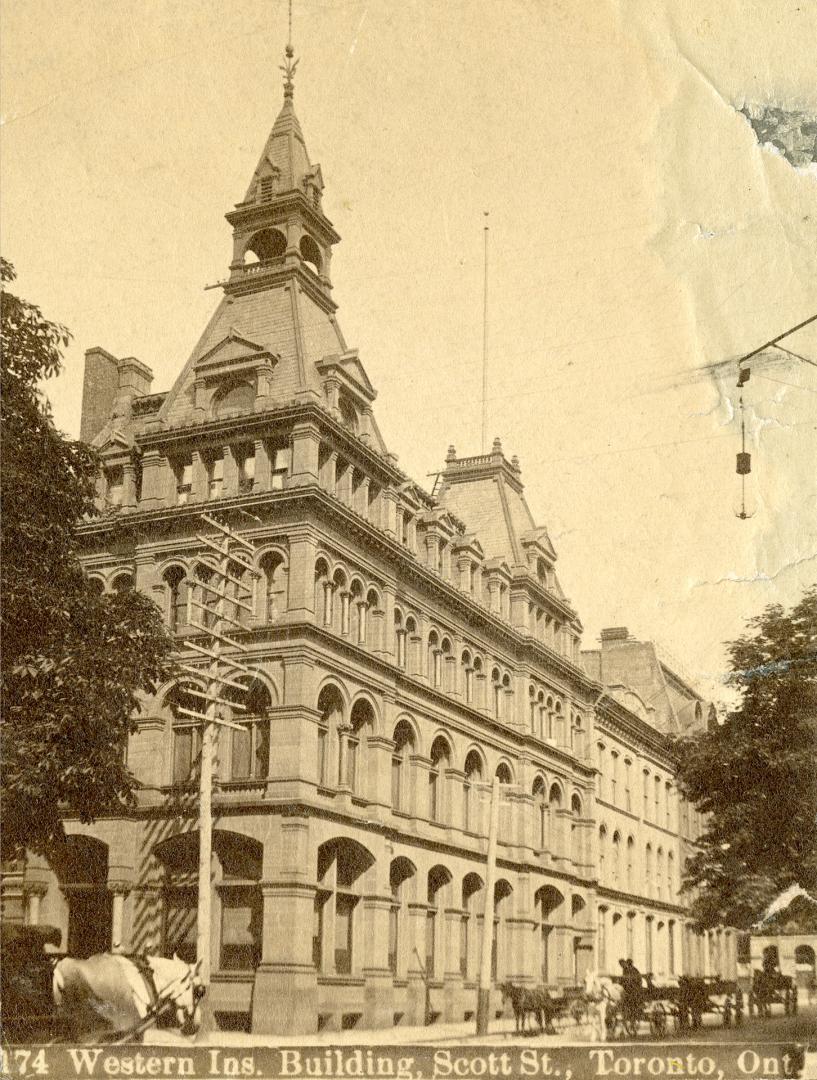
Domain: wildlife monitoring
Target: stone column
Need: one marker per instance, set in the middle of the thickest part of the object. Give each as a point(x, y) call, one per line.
point(153, 479)
point(128, 486)
point(263, 467)
point(34, 891)
point(378, 1008)
point(451, 966)
point(119, 891)
point(305, 453)
point(416, 996)
point(302, 557)
point(199, 492)
point(285, 993)
point(229, 483)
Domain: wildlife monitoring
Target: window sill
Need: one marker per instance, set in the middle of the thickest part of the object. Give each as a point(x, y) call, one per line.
point(234, 975)
point(341, 980)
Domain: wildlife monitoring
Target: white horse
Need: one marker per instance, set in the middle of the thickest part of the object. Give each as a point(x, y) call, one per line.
point(110, 994)
point(601, 993)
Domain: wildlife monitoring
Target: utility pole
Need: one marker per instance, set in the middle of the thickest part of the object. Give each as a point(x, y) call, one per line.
point(219, 577)
point(484, 991)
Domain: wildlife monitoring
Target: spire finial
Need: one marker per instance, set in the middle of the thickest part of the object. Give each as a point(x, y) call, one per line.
point(289, 65)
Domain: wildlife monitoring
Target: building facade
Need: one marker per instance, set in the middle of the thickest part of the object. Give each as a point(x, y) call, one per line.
point(406, 647)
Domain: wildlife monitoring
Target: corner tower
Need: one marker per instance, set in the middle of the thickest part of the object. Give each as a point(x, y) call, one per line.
point(279, 228)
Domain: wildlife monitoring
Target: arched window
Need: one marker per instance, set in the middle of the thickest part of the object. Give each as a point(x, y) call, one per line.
point(649, 881)
point(472, 884)
point(357, 613)
point(361, 726)
point(402, 752)
point(176, 597)
point(479, 684)
point(372, 616)
point(250, 746)
point(266, 245)
point(630, 862)
point(186, 730)
point(96, 585)
point(330, 707)
point(473, 777)
point(440, 762)
point(340, 588)
point(628, 795)
point(400, 638)
point(548, 904)
point(576, 846)
point(557, 845)
point(438, 878)
point(413, 645)
point(659, 873)
point(204, 599)
point(559, 724)
point(616, 869)
point(342, 865)
point(446, 664)
point(671, 884)
point(401, 879)
point(122, 583)
point(602, 852)
point(540, 805)
point(323, 593)
point(500, 953)
point(434, 659)
point(646, 794)
point(310, 253)
point(468, 676)
point(496, 683)
point(578, 735)
point(274, 583)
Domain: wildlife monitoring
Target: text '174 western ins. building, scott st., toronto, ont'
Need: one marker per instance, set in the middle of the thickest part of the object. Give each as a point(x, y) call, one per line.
point(405, 649)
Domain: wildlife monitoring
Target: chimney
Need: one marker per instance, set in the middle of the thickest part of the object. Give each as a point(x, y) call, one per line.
point(615, 633)
point(100, 387)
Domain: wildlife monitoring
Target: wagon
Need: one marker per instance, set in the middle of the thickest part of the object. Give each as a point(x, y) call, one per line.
point(25, 982)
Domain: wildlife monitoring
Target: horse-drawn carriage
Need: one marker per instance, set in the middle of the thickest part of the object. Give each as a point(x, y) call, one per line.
point(48, 996)
point(26, 982)
point(678, 1003)
point(772, 988)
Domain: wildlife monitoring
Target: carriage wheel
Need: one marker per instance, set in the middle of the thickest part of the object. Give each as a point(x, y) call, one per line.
point(658, 1023)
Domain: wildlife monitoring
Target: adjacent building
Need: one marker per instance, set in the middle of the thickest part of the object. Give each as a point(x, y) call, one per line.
point(406, 647)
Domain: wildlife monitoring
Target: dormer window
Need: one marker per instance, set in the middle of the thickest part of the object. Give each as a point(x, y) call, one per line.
point(235, 399)
point(348, 414)
point(113, 485)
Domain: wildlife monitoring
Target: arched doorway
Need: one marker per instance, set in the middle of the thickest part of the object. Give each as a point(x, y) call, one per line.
point(81, 866)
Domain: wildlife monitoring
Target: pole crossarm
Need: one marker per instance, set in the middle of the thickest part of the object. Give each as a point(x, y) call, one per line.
point(231, 535)
point(231, 556)
point(198, 583)
point(223, 659)
point(210, 564)
point(200, 674)
point(211, 720)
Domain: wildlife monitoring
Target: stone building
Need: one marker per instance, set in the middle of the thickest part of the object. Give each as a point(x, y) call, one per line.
point(406, 648)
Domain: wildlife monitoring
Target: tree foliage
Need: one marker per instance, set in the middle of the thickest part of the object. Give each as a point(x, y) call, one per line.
point(74, 662)
point(755, 773)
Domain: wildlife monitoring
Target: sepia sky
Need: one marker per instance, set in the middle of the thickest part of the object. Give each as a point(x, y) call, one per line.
point(638, 232)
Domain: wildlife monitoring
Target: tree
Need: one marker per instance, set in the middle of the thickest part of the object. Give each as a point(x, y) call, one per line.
point(754, 774)
point(74, 662)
